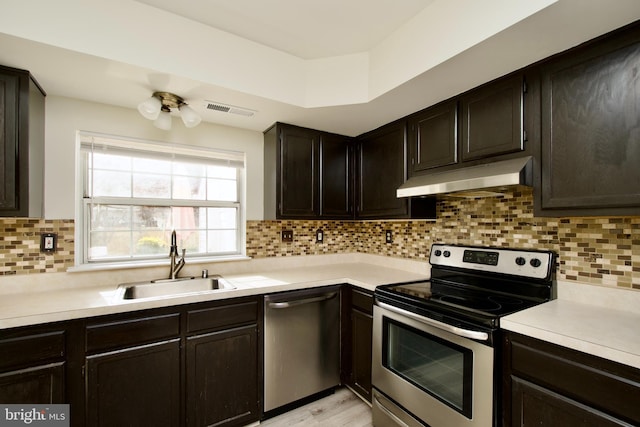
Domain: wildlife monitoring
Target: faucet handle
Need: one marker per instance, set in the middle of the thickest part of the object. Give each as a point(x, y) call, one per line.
point(184, 251)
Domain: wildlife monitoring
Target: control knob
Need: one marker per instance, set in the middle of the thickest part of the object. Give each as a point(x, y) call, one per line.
point(521, 261)
point(447, 254)
point(438, 252)
point(535, 262)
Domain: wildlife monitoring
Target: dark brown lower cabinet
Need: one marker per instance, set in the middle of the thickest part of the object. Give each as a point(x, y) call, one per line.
point(534, 405)
point(357, 342)
point(553, 386)
point(32, 365)
point(193, 365)
point(221, 374)
point(40, 384)
point(137, 386)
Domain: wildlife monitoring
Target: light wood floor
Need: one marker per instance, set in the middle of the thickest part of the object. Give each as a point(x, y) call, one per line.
point(343, 408)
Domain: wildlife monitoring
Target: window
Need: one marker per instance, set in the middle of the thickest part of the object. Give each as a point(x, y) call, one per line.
point(135, 193)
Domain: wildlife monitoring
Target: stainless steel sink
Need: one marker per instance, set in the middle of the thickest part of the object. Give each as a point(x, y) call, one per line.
point(167, 288)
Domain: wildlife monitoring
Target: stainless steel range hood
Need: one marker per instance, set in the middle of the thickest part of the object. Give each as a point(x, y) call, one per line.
point(498, 174)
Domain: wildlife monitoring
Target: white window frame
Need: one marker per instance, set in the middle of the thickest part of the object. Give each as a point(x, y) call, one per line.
point(84, 139)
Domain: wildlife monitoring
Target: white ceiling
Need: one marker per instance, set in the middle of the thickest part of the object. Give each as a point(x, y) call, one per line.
point(341, 66)
point(306, 29)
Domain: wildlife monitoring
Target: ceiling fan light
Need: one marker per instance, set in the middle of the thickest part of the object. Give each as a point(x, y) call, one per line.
point(163, 121)
point(189, 117)
point(150, 108)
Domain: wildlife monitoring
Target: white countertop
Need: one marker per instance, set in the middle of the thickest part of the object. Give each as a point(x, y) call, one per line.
point(50, 298)
point(593, 319)
point(601, 321)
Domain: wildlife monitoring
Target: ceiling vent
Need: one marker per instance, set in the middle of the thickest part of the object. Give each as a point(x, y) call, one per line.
point(223, 108)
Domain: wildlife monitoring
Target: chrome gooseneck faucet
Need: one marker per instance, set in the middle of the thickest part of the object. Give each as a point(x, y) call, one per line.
point(173, 253)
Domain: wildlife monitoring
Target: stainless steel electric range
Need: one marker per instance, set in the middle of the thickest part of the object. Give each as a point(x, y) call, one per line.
point(436, 344)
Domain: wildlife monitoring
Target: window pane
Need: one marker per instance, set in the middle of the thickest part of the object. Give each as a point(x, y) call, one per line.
point(110, 244)
point(111, 162)
point(108, 217)
point(222, 218)
point(150, 243)
point(190, 169)
point(224, 172)
point(151, 165)
point(111, 184)
point(151, 217)
point(152, 186)
point(189, 188)
point(223, 190)
point(222, 241)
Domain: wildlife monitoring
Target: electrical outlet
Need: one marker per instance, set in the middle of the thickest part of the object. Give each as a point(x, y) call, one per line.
point(388, 236)
point(287, 236)
point(319, 236)
point(48, 242)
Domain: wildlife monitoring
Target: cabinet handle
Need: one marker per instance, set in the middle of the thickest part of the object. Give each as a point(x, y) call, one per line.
point(287, 304)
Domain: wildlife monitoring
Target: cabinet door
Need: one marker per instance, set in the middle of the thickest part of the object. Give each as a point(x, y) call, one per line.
point(222, 379)
point(298, 190)
point(492, 119)
point(433, 138)
point(361, 329)
point(40, 384)
point(137, 386)
point(537, 406)
point(9, 91)
point(591, 130)
point(336, 194)
point(382, 169)
point(32, 365)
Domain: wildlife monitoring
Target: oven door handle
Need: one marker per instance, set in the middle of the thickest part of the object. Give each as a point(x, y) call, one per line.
point(388, 412)
point(466, 333)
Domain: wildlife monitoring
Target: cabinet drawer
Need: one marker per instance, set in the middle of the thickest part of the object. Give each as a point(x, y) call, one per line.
point(223, 316)
point(126, 332)
point(607, 386)
point(362, 301)
point(31, 349)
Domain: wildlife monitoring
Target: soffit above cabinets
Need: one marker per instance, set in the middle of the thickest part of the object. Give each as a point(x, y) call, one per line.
point(119, 52)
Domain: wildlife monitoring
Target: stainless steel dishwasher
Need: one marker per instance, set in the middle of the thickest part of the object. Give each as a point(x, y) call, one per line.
point(301, 344)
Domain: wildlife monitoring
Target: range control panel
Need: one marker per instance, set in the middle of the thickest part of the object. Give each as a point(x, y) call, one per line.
point(517, 262)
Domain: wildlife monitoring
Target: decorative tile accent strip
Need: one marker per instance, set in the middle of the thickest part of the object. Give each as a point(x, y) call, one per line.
point(597, 250)
point(20, 246)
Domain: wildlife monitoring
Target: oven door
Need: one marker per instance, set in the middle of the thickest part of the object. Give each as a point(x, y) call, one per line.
point(430, 370)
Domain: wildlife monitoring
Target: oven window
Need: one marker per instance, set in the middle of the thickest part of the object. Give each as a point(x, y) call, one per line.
point(440, 368)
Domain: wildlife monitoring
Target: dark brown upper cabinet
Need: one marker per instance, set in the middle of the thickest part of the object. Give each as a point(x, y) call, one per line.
point(21, 144)
point(308, 174)
point(590, 148)
point(382, 168)
point(492, 119)
point(336, 176)
point(433, 137)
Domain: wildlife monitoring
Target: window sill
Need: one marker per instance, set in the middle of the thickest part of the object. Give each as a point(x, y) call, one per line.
point(151, 263)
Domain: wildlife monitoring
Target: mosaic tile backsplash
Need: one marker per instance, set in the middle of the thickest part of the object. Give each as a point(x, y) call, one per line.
point(598, 250)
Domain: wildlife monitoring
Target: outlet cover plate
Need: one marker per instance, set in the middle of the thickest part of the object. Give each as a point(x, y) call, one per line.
point(287, 236)
point(48, 242)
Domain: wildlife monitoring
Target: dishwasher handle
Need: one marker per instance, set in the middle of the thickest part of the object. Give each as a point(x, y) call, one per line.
point(294, 303)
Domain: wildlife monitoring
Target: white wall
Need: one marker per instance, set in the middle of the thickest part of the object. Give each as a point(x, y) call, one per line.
point(65, 116)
